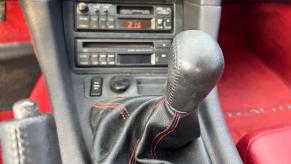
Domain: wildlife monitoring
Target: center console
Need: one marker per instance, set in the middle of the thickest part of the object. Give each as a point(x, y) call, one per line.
point(93, 51)
point(129, 41)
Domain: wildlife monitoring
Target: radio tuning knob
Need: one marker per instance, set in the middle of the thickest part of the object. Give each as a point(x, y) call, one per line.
point(83, 7)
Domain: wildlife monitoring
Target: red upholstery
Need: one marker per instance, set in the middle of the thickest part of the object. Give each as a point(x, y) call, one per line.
point(14, 28)
point(255, 88)
point(6, 115)
point(41, 96)
point(267, 146)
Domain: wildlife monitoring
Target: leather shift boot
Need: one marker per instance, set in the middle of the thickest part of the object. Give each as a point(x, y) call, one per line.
point(142, 130)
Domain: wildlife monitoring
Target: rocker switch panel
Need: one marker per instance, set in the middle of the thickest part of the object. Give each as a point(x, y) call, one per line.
point(96, 86)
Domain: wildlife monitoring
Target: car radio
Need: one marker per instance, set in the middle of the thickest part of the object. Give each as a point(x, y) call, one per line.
point(123, 17)
point(99, 53)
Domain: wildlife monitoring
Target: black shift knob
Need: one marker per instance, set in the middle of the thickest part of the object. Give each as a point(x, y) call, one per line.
point(195, 65)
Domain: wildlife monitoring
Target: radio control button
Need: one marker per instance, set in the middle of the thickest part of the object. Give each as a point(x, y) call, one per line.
point(83, 63)
point(104, 9)
point(94, 59)
point(96, 8)
point(102, 22)
point(108, 9)
point(83, 7)
point(159, 23)
point(83, 59)
point(103, 59)
point(161, 10)
point(97, 11)
point(162, 58)
point(112, 10)
point(94, 22)
point(105, 12)
point(82, 22)
point(167, 23)
point(110, 22)
point(111, 58)
point(163, 44)
point(83, 55)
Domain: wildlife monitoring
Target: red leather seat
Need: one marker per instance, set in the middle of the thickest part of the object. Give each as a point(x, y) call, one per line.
point(6, 115)
point(266, 146)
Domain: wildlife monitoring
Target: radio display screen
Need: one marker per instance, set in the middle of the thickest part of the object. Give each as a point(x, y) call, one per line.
point(136, 24)
point(135, 10)
point(133, 59)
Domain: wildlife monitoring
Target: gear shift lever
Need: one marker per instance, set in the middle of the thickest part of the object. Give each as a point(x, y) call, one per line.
point(148, 128)
point(195, 65)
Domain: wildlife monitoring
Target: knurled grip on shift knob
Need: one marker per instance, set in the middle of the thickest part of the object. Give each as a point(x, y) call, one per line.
point(195, 65)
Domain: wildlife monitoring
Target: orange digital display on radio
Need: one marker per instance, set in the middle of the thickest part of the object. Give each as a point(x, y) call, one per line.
point(137, 24)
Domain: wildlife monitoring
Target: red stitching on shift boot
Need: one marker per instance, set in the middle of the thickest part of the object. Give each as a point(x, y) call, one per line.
point(117, 106)
point(161, 133)
point(114, 107)
point(163, 136)
point(160, 102)
point(133, 153)
point(124, 108)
